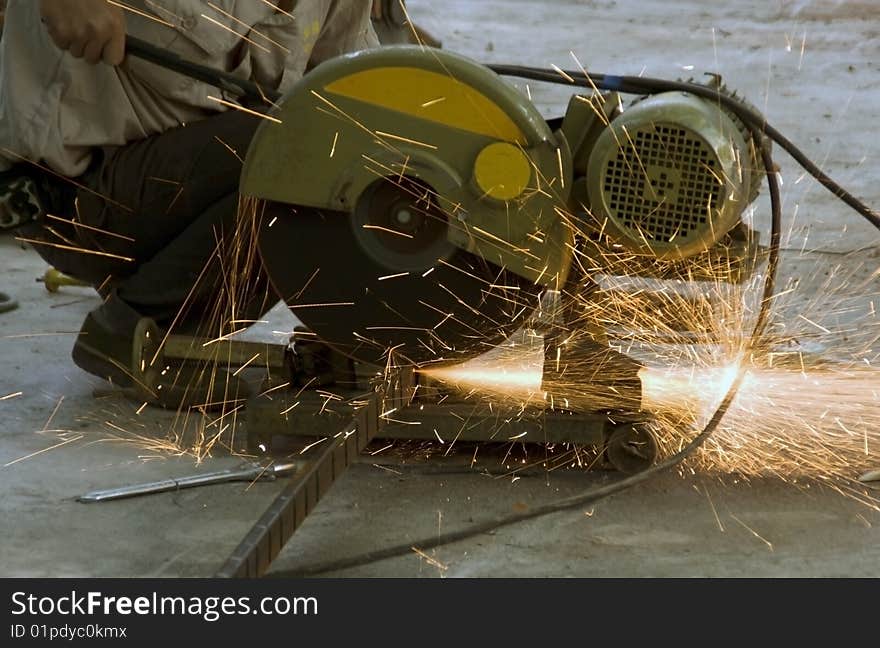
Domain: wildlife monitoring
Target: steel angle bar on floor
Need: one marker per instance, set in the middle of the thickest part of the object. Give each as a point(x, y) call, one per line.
point(276, 526)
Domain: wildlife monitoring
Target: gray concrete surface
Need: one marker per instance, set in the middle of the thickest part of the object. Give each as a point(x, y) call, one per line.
point(812, 66)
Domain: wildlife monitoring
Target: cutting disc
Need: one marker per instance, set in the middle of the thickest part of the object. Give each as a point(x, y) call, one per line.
point(385, 277)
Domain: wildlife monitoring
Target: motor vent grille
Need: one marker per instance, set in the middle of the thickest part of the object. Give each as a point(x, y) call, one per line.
point(663, 184)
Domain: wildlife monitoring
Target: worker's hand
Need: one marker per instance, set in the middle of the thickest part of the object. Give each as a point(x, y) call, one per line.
point(90, 29)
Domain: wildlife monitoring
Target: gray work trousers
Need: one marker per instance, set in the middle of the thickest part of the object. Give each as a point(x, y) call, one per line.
point(164, 203)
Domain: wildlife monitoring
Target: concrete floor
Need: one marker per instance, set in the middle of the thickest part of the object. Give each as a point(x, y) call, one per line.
point(810, 65)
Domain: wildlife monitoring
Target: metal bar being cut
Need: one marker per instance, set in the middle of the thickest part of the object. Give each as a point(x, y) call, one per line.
point(263, 543)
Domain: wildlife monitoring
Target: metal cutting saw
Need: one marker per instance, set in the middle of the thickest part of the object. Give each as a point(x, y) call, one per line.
point(417, 203)
point(414, 209)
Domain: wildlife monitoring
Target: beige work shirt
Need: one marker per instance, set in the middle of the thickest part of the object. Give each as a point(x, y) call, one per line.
point(55, 109)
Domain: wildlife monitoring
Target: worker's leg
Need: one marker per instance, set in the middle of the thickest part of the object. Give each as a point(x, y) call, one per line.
point(161, 215)
point(175, 196)
point(136, 199)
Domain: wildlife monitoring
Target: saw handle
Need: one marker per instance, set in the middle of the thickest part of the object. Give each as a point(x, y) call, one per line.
point(170, 61)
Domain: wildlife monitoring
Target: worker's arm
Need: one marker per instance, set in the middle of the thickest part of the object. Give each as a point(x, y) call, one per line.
point(93, 30)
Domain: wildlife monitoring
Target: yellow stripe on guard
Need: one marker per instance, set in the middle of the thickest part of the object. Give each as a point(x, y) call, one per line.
point(431, 96)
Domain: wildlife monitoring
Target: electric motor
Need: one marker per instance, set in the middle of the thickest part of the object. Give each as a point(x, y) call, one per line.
point(671, 175)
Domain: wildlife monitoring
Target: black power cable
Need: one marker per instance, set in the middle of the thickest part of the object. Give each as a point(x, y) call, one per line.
point(589, 497)
point(598, 81)
point(625, 84)
point(648, 85)
point(758, 126)
point(594, 495)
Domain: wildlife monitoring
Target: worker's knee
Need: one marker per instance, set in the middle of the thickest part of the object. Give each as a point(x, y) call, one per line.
point(213, 152)
point(224, 142)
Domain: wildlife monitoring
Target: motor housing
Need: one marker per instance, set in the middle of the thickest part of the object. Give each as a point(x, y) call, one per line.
point(671, 175)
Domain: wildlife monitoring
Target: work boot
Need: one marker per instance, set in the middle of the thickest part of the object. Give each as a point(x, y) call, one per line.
point(105, 347)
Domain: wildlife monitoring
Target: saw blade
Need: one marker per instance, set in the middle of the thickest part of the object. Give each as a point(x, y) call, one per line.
point(385, 278)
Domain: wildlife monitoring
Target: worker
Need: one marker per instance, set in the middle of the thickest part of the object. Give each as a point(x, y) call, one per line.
point(126, 174)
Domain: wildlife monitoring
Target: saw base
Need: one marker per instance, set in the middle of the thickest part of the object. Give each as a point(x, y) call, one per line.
point(322, 412)
point(311, 390)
